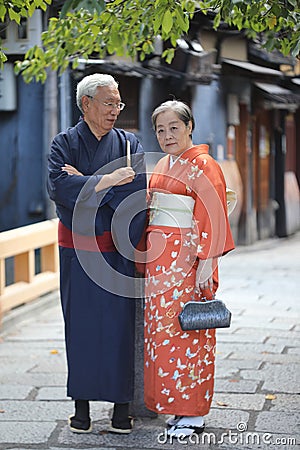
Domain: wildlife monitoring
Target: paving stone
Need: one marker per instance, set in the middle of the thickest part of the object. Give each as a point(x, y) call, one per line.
point(282, 322)
point(41, 411)
point(275, 377)
point(269, 357)
point(281, 378)
point(256, 375)
point(10, 392)
point(45, 362)
point(280, 334)
point(26, 433)
point(32, 411)
point(52, 393)
point(229, 418)
point(228, 367)
point(282, 422)
point(251, 347)
point(221, 356)
point(225, 368)
point(16, 367)
point(257, 322)
point(239, 401)
point(285, 402)
point(39, 333)
point(7, 348)
point(235, 386)
point(286, 341)
point(53, 363)
point(34, 379)
point(242, 338)
point(264, 310)
point(293, 351)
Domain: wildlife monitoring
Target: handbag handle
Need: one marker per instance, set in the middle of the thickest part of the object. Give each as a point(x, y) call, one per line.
point(213, 294)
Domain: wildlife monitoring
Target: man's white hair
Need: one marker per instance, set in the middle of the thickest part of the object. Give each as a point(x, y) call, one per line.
point(89, 84)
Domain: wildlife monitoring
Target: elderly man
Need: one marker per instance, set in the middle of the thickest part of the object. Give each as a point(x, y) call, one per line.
point(99, 200)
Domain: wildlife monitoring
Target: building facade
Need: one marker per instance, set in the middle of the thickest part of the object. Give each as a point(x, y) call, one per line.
point(246, 105)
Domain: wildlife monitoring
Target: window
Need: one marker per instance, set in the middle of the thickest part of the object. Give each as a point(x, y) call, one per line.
point(130, 93)
point(22, 29)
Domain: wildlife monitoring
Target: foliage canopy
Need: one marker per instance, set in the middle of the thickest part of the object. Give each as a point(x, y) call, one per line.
point(99, 27)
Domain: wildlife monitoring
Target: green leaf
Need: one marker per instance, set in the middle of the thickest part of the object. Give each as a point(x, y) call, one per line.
point(157, 22)
point(180, 16)
point(31, 9)
point(3, 58)
point(14, 16)
point(95, 30)
point(217, 20)
point(2, 12)
point(285, 46)
point(271, 22)
point(116, 38)
point(38, 53)
point(168, 55)
point(167, 22)
point(75, 63)
point(296, 50)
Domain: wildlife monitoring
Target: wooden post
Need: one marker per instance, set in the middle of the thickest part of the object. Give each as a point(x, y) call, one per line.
point(2, 284)
point(138, 408)
point(24, 267)
point(49, 258)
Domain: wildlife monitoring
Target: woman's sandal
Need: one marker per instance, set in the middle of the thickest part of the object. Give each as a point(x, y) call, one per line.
point(173, 420)
point(186, 426)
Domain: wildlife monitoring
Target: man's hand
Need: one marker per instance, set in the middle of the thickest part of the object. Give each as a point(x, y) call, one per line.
point(71, 170)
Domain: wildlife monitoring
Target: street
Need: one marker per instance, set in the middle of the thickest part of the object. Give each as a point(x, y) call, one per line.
point(256, 402)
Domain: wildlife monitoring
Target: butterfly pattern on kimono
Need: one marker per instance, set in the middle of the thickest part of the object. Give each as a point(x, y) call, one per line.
point(179, 365)
point(169, 284)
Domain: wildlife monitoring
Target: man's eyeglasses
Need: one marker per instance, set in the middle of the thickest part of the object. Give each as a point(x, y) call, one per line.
point(110, 105)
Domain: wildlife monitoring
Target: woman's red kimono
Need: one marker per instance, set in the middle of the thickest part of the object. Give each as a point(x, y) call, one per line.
point(179, 366)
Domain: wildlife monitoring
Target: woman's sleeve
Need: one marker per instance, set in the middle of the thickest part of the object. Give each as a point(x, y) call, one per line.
point(210, 212)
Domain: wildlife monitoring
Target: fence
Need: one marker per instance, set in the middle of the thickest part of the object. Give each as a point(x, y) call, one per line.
point(32, 252)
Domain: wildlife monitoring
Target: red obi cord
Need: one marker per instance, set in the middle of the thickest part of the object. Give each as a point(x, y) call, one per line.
point(103, 243)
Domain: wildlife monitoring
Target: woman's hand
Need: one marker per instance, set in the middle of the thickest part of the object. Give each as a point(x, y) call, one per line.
point(204, 274)
point(118, 177)
point(71, 170)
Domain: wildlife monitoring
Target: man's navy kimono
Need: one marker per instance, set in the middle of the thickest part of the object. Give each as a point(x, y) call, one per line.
point(97, 236)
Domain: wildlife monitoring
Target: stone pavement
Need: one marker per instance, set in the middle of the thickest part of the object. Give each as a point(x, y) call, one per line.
point(256, 402)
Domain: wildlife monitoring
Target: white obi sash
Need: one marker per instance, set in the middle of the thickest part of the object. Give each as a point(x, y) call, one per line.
point(171, 210)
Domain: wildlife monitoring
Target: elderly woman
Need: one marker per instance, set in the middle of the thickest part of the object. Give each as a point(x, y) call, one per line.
point(188, 231)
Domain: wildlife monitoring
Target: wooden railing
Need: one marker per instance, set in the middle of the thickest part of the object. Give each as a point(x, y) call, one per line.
point(20, 247)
